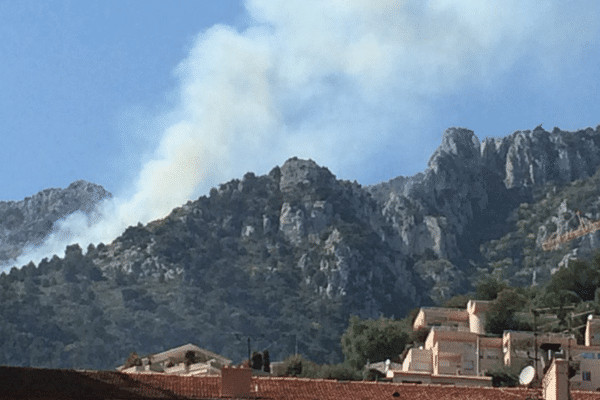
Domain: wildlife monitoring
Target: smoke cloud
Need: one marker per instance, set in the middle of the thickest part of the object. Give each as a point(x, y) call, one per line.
point(338, 81)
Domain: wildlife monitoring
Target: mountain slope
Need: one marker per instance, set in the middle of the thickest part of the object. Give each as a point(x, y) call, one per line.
point(29, 221)
point(280, 258)
point(467, 194)
point(289, 256)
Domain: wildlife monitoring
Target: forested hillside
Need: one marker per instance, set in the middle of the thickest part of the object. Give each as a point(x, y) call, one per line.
point(290, 256)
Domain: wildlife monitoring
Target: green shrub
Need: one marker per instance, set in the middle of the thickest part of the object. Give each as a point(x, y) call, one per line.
point(504, 376)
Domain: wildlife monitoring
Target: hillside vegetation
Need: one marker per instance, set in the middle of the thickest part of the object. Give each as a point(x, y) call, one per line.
point(290, 256)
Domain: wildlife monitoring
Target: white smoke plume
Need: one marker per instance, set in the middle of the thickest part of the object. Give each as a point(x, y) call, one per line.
point(338, 81)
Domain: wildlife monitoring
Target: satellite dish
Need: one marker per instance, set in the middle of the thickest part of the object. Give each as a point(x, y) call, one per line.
point(526, 376)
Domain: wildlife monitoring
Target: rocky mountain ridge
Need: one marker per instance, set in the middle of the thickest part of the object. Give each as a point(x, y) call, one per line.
point(311, 222)
point(297, 251)
point(29, 221)
point(466, 194)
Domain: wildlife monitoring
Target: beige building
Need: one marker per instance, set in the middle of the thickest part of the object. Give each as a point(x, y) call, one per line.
point(437, 316)
point(519, 350)
point(519, 347)
point(452, 352)
point(175, 362)
point(586, 360)
point(456, 348)
point(592, 331)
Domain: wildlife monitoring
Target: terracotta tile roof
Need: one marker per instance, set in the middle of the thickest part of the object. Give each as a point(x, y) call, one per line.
point(305, 389)
point(162, 386)
point(36, 383)
point(33, 383)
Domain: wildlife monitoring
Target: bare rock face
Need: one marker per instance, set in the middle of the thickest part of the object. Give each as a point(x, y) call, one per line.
point(305, 187)
point(333, 218)
point(430, 211)
point(30, 220)
point(539, 157)
point(454, 179)
point(465, 195)
point(303, 179)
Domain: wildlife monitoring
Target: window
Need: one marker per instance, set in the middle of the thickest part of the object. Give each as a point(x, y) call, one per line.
point(587, 356)
point(469, 365)
point(444, 363)
point(586, 376)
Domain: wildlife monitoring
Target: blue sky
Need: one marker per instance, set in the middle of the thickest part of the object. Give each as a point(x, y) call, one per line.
point(84, 82)
point(79, 77)
point(160, 100)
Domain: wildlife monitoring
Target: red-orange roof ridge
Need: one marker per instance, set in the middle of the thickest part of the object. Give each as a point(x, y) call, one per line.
point(118, 385)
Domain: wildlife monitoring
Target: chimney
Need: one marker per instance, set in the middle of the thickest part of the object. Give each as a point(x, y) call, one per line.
point(235, 382)
point(556, 381)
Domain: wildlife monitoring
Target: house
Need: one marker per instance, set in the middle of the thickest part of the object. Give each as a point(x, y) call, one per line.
point(451, 353)
point(455, 345)
point(586, 361)
point(456, 349)
point(186, 360)
point(592, 331)
point(519, 350)
point(471, 319)
point(519, 347)
point(437, 316)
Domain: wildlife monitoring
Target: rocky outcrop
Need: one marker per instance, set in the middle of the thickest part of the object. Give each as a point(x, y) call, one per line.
point(295, 252)
point(465, 195)
point(539, 157)
point(30, 220)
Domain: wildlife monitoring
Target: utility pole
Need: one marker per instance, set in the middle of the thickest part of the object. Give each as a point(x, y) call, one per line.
point(249, 359)
point(477, 354)
point(535, 359)
point(535, 312)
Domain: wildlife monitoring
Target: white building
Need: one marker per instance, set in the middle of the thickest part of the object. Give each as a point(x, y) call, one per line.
point(197, 362)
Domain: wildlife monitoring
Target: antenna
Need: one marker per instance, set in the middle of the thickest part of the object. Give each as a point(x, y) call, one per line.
point(526, 376)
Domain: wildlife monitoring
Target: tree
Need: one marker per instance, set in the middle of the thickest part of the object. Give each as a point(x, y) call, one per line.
point(190, 357)
point(133, 360)
point(257, 361)
point(292, 366)
point(579, 277)
point(419, 335)
point(501, 314)
point(458, 301)
point(297, 366)
point(489, 288)
point(504, 376)
point(266, 361)
point(373, 340)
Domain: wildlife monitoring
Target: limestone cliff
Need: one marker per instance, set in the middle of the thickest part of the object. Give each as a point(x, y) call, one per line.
point(29, 221)
point(466, 194)
point(287, 257)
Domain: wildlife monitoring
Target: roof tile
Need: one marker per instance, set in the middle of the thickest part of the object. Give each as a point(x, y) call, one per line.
point(68, 384)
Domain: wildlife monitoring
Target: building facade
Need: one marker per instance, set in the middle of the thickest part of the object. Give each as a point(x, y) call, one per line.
point(186, 360)
point(456, 348)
